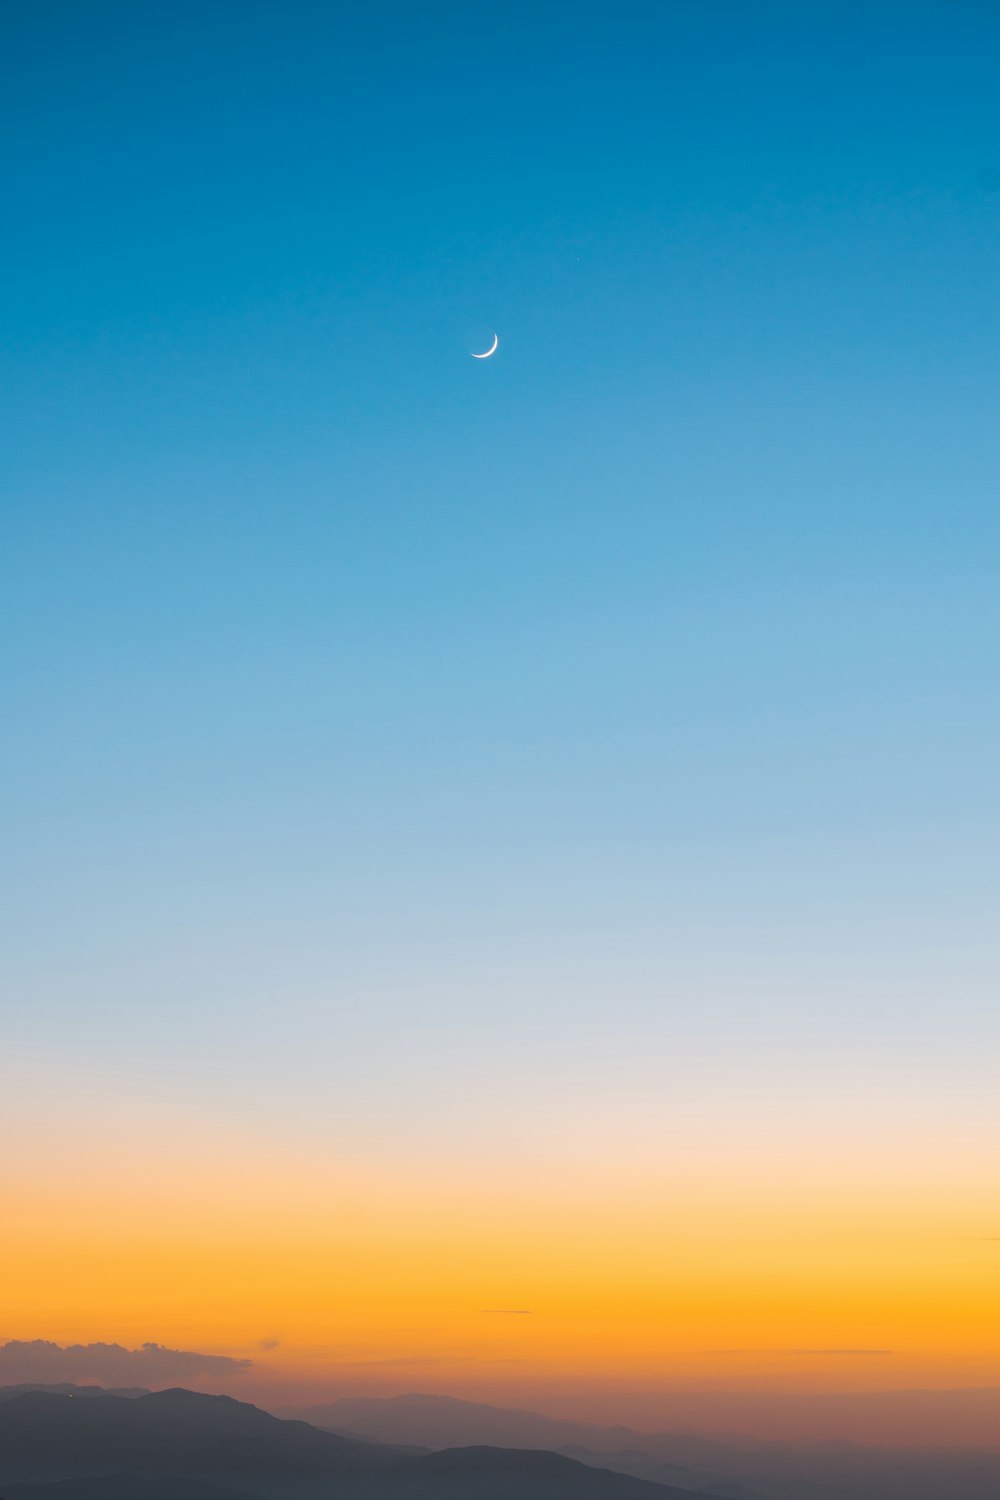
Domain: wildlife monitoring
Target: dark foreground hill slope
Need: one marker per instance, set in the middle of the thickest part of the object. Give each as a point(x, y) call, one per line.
point(124, 1487)
point(484, 1473)
point(178, 1445)
point(7, 1392)
point(177, 1431)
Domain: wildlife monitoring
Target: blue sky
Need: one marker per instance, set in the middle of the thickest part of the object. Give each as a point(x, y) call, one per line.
point(634, 688)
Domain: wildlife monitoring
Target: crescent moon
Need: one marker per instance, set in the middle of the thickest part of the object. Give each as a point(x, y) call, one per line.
point(491, 350)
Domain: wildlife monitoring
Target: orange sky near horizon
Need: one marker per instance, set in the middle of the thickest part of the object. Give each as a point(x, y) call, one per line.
point(809, 1270)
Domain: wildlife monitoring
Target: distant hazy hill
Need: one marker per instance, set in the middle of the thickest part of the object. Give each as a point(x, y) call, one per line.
point(178, 1445)
point(445, 1422)
point(735, 1468)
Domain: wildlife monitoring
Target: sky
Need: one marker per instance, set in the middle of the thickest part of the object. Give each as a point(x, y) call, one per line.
point(499, 868)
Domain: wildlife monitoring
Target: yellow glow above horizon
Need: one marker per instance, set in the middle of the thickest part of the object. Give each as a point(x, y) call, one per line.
point(655, 1275)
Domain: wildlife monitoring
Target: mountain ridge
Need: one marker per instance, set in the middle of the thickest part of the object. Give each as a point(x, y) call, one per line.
point(117, 1448)
point(751, 1468)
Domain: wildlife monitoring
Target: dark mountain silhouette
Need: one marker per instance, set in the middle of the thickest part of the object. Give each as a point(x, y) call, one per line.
point(642, 1465)
point(504, 1461)
point(173, 1431)
point(124, 1487)
point(66, 1389)
point(483, 1473)
point(725, 1490)
point(179, 1445)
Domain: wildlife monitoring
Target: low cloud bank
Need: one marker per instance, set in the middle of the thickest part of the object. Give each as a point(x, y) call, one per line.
point(37, 1361)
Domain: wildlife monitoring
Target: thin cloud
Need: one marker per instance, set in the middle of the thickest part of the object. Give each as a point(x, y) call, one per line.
point(404, 1360)
point(38, 1361)
point(862, 1352)
point(507, 1312)
point(419, 1361)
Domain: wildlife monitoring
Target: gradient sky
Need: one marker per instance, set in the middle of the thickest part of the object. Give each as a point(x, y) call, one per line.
point(499, 858)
